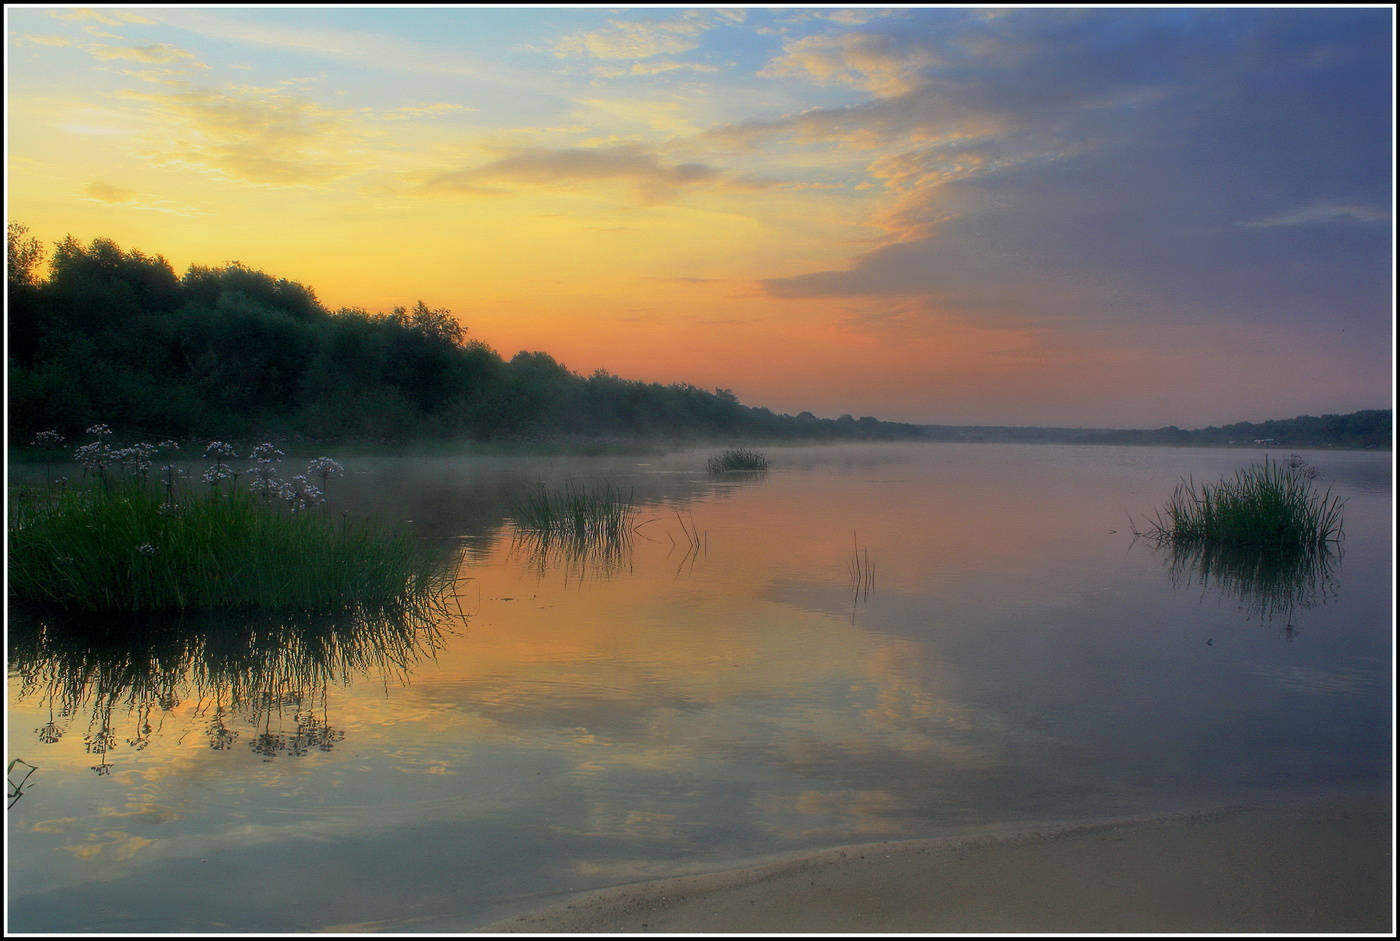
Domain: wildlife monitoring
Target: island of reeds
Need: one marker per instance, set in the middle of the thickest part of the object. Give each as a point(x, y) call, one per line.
point(1267, 538)
point(737, 459)
point(131, 536)
point(1270, 506)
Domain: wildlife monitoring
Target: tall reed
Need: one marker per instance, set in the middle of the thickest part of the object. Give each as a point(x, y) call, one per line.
point(1269, 506)
point(124, 549)
point(126, 542)
point(737, 459)
point(598, 511)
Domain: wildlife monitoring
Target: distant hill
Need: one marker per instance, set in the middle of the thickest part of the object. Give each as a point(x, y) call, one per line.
point(1007, 434)
point(1369, 428)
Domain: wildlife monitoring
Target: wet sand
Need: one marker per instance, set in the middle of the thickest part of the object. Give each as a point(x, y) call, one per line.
point(1321, 866)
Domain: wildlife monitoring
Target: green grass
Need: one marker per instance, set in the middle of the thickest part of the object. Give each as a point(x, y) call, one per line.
point(583, 513)
point(1268, 506)
point(737, 459)
point(123, 548)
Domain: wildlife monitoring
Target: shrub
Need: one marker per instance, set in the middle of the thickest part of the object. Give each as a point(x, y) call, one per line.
point(1268, 506)
point(737, 459)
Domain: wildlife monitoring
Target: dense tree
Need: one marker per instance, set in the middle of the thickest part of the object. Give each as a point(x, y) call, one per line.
point(114, 336)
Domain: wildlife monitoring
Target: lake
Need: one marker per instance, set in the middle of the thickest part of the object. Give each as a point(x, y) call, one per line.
point(867, 642)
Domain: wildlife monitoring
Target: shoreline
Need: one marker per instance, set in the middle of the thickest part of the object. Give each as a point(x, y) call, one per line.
point(1321, 865)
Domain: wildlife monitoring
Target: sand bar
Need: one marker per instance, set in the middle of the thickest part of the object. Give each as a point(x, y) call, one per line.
point(1322, 866)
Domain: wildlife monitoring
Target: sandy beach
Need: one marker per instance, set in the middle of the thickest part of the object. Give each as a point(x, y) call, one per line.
point(1323, 866)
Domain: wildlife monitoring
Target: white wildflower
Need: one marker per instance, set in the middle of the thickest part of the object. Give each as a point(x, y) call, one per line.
point(324, 467)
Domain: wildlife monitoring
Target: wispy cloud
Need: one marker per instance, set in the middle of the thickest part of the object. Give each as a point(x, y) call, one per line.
point(1080, 167)
point(107, 16)
point(653, 180)
point(57, 41)
point(368, 50)
point(436, 109)
point(646, 37)
point(651, 68)
point(880, 64)
point(152, 54)
point(253, 135)
point(1322, 212)
point(100, 192)
point(632, 40)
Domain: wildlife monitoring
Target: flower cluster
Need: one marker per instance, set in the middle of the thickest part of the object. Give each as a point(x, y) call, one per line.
point(300, 493)
point(324, 467)
point(48, 439)
point(264, 472)
point(94, 457)
point(137, 458)
point(97, 456)
point(1294, 462)
point(219, 471)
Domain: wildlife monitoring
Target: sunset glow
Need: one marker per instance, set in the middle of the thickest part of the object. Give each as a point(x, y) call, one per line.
point(1064, 217)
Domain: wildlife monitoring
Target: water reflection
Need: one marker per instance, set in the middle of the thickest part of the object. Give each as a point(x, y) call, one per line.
point(1271, 585)
point(589, 555)
point(266, 676)
point(16, 776)
point(580, 557)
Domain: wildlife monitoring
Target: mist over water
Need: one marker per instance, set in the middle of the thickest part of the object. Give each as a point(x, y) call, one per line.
point(717, 689)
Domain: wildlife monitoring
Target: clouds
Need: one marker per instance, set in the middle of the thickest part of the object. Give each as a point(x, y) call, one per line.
point(868, 61)
point(644, 38)
point(624, 39)
point(152, 54)
point(1152, 163)
point(102, 192)
point(653, 180)
point(895, 182)
point(252, 135)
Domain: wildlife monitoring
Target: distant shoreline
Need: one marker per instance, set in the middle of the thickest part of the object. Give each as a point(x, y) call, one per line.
point(1320, 865)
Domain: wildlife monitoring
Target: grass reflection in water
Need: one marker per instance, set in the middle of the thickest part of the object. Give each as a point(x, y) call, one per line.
point(1270, 584)
point(579, 557)
point(1266, 538)
point(267, 676)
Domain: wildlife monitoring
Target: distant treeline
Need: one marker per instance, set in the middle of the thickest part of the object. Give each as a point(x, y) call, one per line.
point(1004, 434)
point(1371, 428)
point(117, 337)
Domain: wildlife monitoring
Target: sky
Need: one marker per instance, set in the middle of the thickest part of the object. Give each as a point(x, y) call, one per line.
point(1073, 217)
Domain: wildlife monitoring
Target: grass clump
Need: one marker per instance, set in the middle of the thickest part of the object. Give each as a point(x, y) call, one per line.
point(118, 542)
point(599, 512)
point(1271, 506)
point(737, 459)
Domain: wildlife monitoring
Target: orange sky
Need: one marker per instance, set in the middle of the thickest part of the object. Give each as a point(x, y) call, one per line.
point(931, 215)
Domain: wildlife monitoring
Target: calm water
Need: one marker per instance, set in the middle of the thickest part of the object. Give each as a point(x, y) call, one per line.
point(729, 688)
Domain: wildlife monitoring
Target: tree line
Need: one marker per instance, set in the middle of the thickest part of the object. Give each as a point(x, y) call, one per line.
point(1369, 428)
point(115, 336)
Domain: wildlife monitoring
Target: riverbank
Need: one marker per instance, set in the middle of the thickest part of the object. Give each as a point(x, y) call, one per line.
point(1312, 867)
